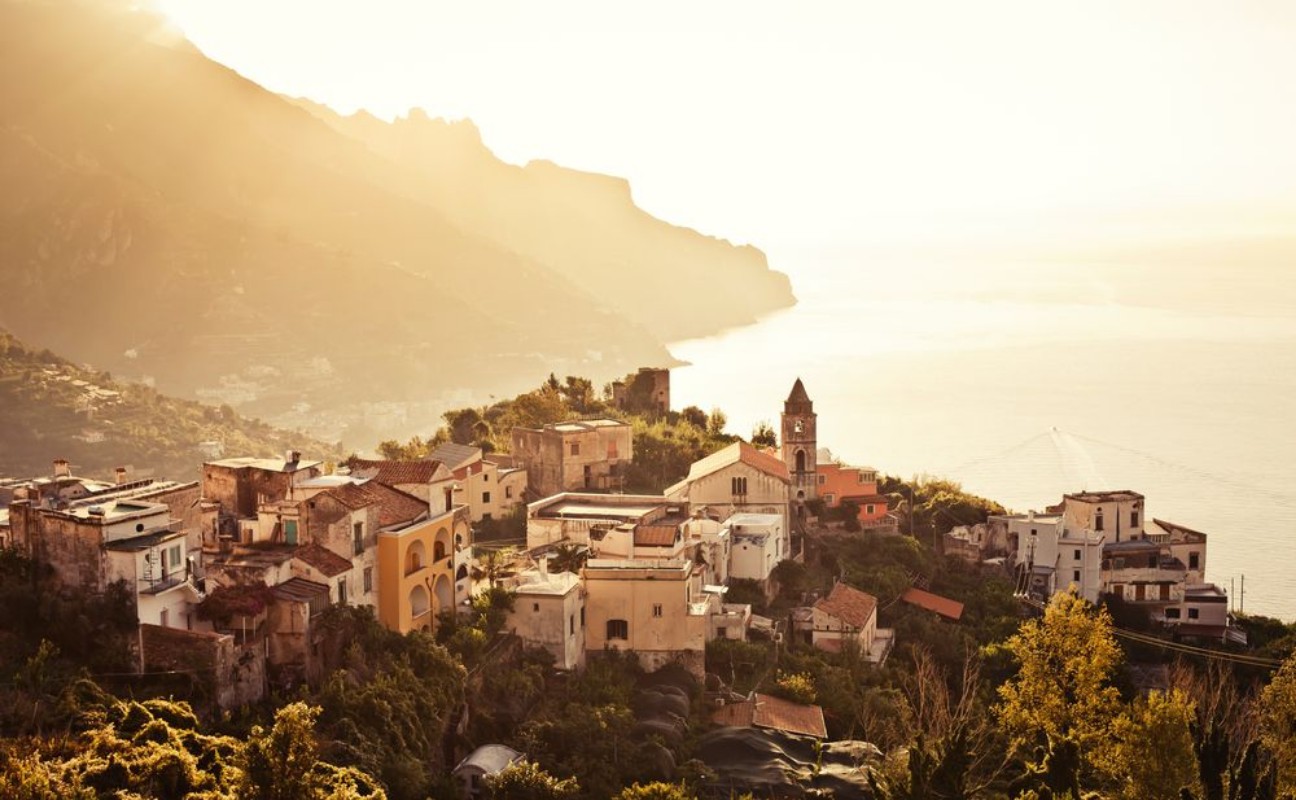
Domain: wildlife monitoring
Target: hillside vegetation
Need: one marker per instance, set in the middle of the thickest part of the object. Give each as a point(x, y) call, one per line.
point(51, 408)
point(164, 216)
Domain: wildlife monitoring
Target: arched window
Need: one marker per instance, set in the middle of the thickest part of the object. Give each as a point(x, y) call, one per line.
point(1098, 519)
point(419, 601)
point(618, 629)
point(800, 461)
point(415, 556)
point(439, 551)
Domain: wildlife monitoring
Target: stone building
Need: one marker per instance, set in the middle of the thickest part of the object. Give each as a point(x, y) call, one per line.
point(549, 612)
point(656, 609)
point(646, 390)
point(800, 443)
point(576, 456)
point(737, 479)
point(488, 488)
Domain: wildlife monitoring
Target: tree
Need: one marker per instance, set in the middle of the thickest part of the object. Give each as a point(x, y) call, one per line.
point(716, 422)
point(524, 780)
point(763, 435)
point(569, 558)
point(1061, 697)
point(1153, 755)
point(695, 417)
point(1278, 723)
point(656, 791)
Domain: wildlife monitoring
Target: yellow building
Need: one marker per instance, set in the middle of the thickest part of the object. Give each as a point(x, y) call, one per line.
point(416, 569)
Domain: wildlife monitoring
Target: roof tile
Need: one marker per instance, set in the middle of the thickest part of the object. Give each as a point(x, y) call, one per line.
point(849, 605)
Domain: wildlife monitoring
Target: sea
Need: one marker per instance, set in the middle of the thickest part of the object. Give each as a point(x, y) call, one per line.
point(1027, 381)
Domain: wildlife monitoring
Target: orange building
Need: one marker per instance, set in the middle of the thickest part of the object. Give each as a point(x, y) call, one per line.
point(856, 484)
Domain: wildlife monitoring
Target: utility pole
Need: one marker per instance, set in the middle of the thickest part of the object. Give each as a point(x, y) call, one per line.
point(1242, 602)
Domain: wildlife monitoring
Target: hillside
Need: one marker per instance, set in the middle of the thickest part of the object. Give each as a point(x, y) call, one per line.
point(51, 408)
point(165, 217)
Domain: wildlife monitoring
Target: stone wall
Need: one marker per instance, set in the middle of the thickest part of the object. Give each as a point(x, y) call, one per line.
point(228, 675)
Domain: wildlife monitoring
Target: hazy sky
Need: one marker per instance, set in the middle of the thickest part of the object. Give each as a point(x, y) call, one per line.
point(830, 122)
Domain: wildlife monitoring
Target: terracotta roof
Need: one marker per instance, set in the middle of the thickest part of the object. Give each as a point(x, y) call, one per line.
point(655, 535)
point(864, 499)
point(950, 609)
point(322, 559)
point(849, 605)
point(469, 469)
point(394, 473)
point(734, 453)
point(299, 590)
point(765, 711)
point(394, 506)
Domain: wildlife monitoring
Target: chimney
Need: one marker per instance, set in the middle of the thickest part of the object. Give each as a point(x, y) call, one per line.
point(61, 468)
point(292, 456)
point(543, 565)
point(1030, 516)
point(121, 475)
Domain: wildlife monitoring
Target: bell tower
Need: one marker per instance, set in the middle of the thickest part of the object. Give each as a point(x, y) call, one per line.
point(799, 443)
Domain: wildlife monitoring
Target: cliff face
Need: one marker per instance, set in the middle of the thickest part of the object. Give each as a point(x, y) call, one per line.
point(675, 282)
point(164, 217)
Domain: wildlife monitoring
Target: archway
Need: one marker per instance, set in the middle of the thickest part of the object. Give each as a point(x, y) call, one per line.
point(444, 594)
point(441, 546)
point(800, 461)
point(419, 602)
point(415, 557)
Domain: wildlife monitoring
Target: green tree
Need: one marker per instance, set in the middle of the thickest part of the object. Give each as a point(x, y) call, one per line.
point(656, 791)
point(1061, 696)
point(525, 780)
point(1152, 757)
point(763, 435)
point(716, 422)
point(1278, 723)
point(695, 417)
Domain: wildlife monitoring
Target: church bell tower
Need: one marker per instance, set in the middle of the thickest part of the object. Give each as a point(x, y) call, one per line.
point(799, 443)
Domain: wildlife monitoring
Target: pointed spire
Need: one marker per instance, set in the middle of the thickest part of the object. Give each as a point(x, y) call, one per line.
point(798, 394)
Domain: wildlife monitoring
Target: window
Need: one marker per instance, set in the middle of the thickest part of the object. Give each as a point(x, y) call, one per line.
point(800, 461)
point(368, 579)
point(165, 617)
point(1098, 520)
point(1194, 560)
point(508, 492)
point(657, 609)
point(1172, 613)
point(618, 629)
point(1077, 555)
point(612, 449)
point(357, 534)
point(869, 509)
point(1134, 518)
point(485, 497)
point(738, 485)
point(828, 498)
point(571, 624)
point(722, 633)
point(342, 591)
point(575, 448)
point(861, 477)
point(485, 477)
point(170, 559)
point(535, 607)
point(1193, 613)
point(582, 617)
point(823, 479)
point(1075, 575)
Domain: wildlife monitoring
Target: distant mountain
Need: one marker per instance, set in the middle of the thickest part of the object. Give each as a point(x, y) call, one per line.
point(582, 225)
point(51, 408)
point(164, 217)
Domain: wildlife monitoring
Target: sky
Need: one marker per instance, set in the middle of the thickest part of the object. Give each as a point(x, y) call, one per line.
point(832, 123)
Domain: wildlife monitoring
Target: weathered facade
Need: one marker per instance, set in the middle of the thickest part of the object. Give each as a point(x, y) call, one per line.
point(581, 455)
point(654, 608)
point(737, 479)
point(800, 443)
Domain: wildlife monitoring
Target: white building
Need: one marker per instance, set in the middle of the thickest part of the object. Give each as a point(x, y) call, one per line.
point(1053, 557)
point(757, 543)
point(738, 479)
point(549, 612)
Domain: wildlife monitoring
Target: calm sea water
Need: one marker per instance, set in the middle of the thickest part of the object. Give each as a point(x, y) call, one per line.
point(1026, 390)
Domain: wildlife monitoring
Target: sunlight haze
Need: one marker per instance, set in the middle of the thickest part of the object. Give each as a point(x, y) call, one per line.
point(844, 122)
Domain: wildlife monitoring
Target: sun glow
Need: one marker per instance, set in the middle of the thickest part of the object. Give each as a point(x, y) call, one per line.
point(841, 122)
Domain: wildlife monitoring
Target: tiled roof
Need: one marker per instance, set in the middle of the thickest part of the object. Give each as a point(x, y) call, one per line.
point(765, 711)
point(849, 605)
point(655, 535)
point(299, 590)
point(1172, 528)
point(395, 473)
point(394, 506)
point(454, 455)
point(950, 609)
point(734, 453)
point(322, 559)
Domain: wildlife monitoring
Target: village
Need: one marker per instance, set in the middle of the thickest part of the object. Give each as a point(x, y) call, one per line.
point(229, 575)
